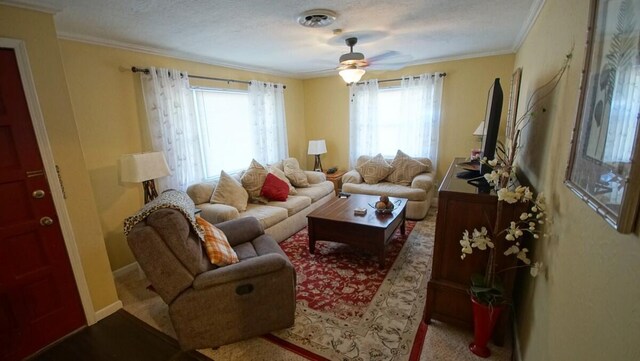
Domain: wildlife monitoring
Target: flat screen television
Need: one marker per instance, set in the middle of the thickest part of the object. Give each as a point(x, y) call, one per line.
point(490, 137)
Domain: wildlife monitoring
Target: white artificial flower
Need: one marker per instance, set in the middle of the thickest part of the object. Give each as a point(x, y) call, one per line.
point(522, 255)
point(465, 242)
point(493, 162)
point(528, 195)
point(524, 216)
point(480, 239)
point(505, 195)
point(535, 269)
point(512, 250)
point(492, 177)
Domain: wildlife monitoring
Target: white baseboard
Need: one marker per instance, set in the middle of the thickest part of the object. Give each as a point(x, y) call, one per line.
point(124, 270)
point(102, 313)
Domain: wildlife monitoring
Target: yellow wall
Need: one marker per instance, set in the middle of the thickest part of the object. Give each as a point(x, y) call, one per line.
point(464, 99)
point(586, 305)
point(38, 32)
point(110, 114)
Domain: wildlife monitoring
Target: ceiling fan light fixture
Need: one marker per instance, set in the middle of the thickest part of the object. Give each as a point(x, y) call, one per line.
point(317, 18)
point(351, 74)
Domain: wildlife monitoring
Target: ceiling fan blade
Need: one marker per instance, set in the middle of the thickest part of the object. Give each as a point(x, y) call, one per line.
point(387, 66)
point(384, 56)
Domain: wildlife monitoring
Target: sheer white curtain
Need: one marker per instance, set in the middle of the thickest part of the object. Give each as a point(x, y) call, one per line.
point(266, 101)
point(420, 102)
point(363, 120)
point(172, 125)
point(405, 117)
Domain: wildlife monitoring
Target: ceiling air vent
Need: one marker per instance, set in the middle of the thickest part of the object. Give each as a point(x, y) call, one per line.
point(316, 18)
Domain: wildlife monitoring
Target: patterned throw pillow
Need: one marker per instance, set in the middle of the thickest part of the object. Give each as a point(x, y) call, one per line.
point(374, 170)
point(274, 189)
point(280, 174)
point(230, 192)
point(405, 168)
point(253, 179)
point(216, 244)
point(294, 173)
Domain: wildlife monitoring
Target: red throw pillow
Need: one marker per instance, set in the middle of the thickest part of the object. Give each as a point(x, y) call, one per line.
point(274, 188)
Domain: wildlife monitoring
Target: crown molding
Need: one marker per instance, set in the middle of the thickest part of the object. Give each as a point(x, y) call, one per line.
point(167, 53)
point(41, 6)
point(534, 12)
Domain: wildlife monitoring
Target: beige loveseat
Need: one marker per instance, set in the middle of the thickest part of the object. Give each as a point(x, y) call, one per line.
point(280, 220)
point(419, 192)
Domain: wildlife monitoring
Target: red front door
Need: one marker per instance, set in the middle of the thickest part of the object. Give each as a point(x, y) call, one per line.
point(39, 301)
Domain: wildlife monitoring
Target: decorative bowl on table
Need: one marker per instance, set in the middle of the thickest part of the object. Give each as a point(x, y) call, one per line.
point(384, 205)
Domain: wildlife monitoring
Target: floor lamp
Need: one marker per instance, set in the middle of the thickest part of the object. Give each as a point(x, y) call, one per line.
point(317, 147)
point(144, 167)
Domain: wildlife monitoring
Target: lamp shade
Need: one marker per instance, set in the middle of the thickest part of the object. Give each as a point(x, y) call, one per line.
point(317, 147)
point(480, 130)
point(140, 167)
point(351, 74)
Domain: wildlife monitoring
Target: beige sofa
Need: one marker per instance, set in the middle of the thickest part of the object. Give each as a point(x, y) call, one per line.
point(420, 192)
point(280, 220)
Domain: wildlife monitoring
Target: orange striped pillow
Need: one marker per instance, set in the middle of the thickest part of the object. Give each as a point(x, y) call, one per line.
point(216, 244)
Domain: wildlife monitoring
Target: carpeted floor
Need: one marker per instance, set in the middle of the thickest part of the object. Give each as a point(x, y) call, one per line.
point(442, 341)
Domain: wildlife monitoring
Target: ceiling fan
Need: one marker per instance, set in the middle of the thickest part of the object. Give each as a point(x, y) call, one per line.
point(352, 64)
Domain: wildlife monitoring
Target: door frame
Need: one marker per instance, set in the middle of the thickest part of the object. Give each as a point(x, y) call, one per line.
point(44, 146)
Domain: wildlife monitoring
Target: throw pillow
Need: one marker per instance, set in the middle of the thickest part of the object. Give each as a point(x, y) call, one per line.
point(274, 189)
point(253, 178)
point(294, 173)
point(375, 169)
point(230, 192)
point(216, 244)
point(280, 174)
point(404, 169)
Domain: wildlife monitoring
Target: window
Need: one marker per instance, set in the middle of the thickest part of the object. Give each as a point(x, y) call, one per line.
point(405, 117)
point(225, 130)
point(237, 126)
point(389, 132)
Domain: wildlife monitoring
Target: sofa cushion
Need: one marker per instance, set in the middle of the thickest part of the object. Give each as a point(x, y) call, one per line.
point(201, 192)
point(296, 175)
point(230, 192)
point(245, 250)
point(293, 204)
point(267, 215)
point(274, 188)
point(217, 213)
point(404, 169)
point(253, 179)
point(374, 170)
point(216, 244)
point(386, 188)
point(316, 191)
point(280, 174)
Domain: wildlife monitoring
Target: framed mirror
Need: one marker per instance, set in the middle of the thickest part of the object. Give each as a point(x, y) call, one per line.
point(603, 166)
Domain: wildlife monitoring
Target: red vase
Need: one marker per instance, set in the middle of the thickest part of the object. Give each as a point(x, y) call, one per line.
point(484, 320)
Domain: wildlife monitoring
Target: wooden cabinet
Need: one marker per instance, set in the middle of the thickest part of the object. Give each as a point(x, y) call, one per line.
point(462, 206)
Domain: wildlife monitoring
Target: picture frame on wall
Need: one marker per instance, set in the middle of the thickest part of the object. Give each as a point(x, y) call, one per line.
point(603, 167)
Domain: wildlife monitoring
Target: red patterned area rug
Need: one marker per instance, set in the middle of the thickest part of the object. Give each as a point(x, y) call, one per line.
point(350, 309)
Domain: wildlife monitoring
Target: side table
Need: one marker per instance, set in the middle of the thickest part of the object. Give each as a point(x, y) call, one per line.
point(336, 178)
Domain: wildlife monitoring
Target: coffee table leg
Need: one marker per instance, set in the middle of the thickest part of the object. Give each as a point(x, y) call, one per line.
point(381, 259)
point(402, 229)
point(312, 238)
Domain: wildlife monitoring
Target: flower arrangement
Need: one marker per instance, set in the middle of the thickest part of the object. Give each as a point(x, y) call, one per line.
point(487, 288)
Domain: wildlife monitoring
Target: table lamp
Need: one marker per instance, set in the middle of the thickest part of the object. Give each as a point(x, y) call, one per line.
point(144, 167)
point(317, 147)
point(480, 132)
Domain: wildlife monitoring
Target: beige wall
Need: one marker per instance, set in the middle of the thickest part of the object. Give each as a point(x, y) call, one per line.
point(38, 32)
point(464, 97)
point(586, 306)
point(110, 115)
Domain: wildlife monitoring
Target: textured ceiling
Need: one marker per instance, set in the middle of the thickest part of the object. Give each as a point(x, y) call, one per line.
point(265, 36)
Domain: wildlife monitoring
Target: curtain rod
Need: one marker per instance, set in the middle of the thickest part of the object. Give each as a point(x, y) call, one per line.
point(136, 69)
point(442, 75)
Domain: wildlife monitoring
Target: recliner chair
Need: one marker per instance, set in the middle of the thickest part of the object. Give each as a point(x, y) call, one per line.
point(211, 306)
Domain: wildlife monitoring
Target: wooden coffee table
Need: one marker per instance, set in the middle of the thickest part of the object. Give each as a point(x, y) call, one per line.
point(335, 221)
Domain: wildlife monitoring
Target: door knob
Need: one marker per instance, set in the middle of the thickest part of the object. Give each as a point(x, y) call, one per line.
point(46, 221)
point(38, 194)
